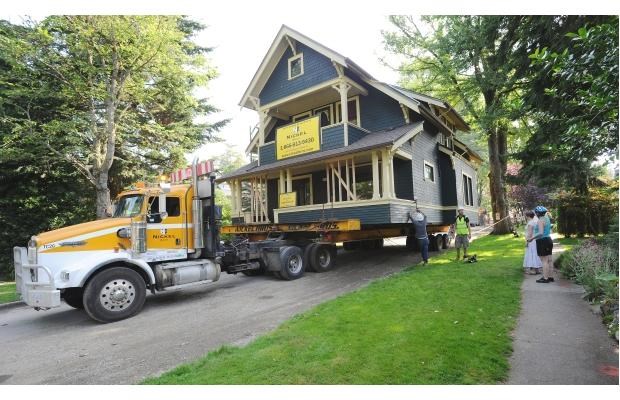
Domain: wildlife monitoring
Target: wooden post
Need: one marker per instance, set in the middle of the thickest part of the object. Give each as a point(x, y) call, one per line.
point(327, 182)
point(353, 172)
point(346, 167)
point(385, 175)
point(289, 181)
point(282, 182)
point(343, 88)
point(375, 175)
point(339, 185)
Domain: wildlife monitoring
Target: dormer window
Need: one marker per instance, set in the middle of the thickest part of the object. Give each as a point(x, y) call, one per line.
point(296, 66)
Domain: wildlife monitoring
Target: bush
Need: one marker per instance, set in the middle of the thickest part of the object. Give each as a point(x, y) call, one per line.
point(588, 214)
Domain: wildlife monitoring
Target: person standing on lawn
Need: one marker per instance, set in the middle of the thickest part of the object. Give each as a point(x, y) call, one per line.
point(531, 262)
point(462, 229)
point(419, 225)
point(544, 244)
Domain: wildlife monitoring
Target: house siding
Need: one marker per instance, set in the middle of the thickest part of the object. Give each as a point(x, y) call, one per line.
point(332, 137)
point(267, 153)
point(379, 111)
point(355, 134)
point(425, 149)
point(368, 215)
point(461, 167)
point(317, 69)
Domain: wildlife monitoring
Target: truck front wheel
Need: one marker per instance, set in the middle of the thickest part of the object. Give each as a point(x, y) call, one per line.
point(114, 294)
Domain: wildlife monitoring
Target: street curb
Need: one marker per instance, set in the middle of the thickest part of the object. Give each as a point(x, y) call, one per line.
point(13, 304)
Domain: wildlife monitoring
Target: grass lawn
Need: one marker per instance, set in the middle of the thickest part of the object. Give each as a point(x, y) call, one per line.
point(7, 292)
point(570, 242)
point(445, 323)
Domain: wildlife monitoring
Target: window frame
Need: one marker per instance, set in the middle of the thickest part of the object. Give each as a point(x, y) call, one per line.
point(468, 189)
point(330, 109)
point(338, 109)
point(300, 116)
point(298, 56)
point(432, 165)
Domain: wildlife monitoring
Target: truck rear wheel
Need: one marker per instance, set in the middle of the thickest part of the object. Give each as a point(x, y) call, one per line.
point(323, 257)
point(74, 297)
point(307, 252)
point(291, 263)
point(114, 294)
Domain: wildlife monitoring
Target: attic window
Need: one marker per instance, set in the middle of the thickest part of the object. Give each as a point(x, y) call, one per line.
point(296, 66)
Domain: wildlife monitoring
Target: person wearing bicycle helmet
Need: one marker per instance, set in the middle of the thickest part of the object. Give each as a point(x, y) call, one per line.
point(544, 244)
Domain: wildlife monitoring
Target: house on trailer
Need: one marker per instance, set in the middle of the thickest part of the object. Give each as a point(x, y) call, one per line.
point(335, 143)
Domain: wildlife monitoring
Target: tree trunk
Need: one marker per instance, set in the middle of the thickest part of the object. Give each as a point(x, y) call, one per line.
point(104, 205)
point(497, 171)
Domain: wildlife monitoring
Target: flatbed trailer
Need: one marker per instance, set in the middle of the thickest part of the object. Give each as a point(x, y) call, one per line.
point(290, 249)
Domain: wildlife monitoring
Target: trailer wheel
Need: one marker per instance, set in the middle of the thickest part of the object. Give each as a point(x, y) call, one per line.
point(323, 257)
point(74, 297)
point(114, 294)
point(439, 242)
point(307, 252)
point(379, 243)
point(292, 263)
point(445, 241)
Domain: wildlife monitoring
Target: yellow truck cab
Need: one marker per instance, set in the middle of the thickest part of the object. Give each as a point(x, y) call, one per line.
point(106, 266)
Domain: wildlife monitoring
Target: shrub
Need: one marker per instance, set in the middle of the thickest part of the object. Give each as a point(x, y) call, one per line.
point(589, 214)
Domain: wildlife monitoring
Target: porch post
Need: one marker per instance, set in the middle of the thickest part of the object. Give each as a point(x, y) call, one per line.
point(386, 166)
point(289, 181)
point(343, 89)
point(282, 182)
point(262, 120)
point(375, 175)
point(238, 197)
point(233, 197)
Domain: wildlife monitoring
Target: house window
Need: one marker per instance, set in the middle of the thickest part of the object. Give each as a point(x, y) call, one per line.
point(468, 194)
point(296, 66)
point(302, 116)
point(429, 172)
point(354, 111)
point(325, 113)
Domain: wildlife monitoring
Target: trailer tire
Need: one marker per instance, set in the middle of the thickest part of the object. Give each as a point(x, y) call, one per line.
point(114, 294)
point(307, 253)
point(291, 263)
point(74, 297)
point(379, 243)
point(323, 257)
point(445, 241)
point(439, 242)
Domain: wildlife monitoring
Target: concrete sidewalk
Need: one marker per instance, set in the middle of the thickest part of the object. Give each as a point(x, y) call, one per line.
point(558, 339)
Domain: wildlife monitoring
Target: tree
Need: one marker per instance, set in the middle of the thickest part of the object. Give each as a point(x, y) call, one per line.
point(574, 102)
point(125, 90)
point(480, 64)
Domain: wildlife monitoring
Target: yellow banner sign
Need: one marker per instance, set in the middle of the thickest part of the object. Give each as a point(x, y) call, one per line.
point(288, 199)
point(299, 138)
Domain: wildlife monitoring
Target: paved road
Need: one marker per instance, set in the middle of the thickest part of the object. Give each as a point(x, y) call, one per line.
point(63, 346)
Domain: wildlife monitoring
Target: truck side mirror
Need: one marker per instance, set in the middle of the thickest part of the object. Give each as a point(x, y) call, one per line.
point(162, 206)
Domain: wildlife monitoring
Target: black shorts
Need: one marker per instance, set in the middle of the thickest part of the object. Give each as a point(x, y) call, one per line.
point(544, 246)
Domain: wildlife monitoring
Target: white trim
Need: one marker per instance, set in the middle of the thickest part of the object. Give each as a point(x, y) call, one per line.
point(407, 136)
point(403, 154)
point(290, 60)
point(297, 117)
point(432, 165)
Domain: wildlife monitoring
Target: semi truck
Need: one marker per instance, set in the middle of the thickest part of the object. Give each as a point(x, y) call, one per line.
point(165, 237)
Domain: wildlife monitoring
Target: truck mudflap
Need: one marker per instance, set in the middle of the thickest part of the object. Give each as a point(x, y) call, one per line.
point(34, 282)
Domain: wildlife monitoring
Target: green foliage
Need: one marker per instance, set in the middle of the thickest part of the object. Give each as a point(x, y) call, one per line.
point(440, 324)
point(573, 103)
point(586, 214)
point(91, 103)
point(7, 292)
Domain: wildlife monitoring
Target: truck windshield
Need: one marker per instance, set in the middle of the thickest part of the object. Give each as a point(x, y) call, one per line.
point(128, 206)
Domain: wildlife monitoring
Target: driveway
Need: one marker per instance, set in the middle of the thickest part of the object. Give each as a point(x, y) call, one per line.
point(64, 346)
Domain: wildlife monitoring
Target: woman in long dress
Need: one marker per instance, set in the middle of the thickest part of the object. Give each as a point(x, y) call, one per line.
point(531, 262)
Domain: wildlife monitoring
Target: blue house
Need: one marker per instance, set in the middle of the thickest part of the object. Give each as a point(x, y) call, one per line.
point(335, 143)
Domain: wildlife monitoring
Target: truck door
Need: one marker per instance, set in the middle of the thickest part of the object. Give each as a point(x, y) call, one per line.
point(166, 238)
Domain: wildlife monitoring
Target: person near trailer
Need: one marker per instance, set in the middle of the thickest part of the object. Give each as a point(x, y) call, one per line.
point(544, 243)
point(462, 230)
point(419, 224)
point(531, 262)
